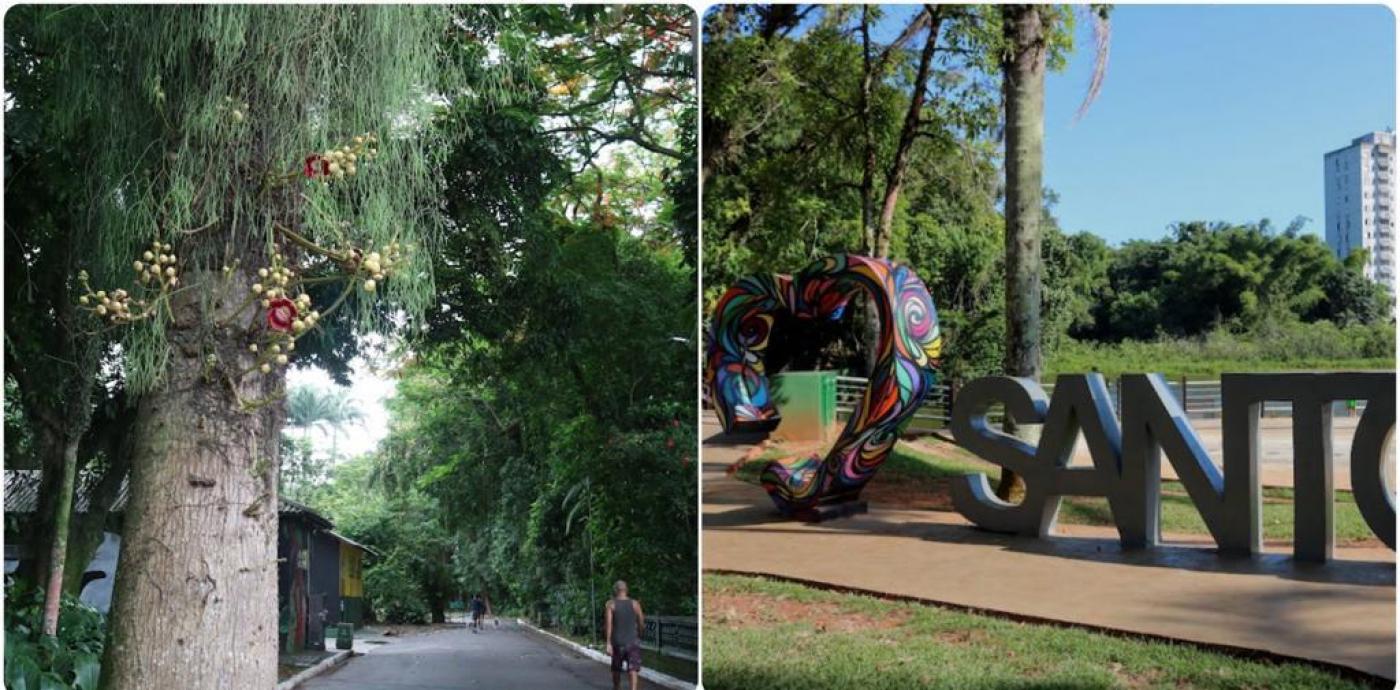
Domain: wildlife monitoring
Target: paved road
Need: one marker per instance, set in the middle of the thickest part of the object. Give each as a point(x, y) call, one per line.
point(505, 658)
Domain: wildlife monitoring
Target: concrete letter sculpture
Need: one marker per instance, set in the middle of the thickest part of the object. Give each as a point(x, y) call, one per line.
point(905, 369)
point(1127, 457)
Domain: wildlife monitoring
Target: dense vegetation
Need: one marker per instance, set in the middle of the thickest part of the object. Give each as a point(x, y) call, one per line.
point(542, 435)
point(785, 175)
point(33, 660)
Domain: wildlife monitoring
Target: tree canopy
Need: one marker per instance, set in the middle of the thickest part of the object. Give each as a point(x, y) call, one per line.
point(543, 427)
point(783, 159)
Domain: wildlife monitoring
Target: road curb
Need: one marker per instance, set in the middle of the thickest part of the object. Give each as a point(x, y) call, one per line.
point(654, 676)
point(323, 666)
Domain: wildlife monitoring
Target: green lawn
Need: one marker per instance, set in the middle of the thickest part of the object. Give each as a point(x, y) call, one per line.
point(1313, 348)
point(767, 635)
point(933, 471)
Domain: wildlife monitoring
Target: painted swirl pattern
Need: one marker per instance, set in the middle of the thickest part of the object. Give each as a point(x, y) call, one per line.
point(908, 352)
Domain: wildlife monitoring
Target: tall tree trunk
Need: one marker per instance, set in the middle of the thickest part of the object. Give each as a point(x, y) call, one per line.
point(58, 550)
point(66, 424)
point(894, 176)
point(35, 561)
point(1023, 84)
point(196, 591)
point(868, 163)
point(875, 232)
point(113, 440)
point(870, 66)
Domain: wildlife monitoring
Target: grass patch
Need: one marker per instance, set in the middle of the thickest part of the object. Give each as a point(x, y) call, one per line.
point(925, 470)
point(1307, 347)
point(1180, 516)
point(767, 635)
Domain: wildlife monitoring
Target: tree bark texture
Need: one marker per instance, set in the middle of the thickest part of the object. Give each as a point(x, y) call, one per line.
point(110, 437)
point(1023, 83)
point(34, 562)
point(58, 548)
point(196, 592)
point(894, 176)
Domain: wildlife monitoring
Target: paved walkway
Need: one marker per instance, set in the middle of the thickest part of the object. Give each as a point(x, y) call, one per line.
point(504, 658)
point(1343, 613)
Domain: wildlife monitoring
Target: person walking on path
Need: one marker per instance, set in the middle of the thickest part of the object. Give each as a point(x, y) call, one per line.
point(623, 626)
point(479, 608)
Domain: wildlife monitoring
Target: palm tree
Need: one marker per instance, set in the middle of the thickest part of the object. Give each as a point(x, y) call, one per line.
point(1025, 32)
point(310, 407)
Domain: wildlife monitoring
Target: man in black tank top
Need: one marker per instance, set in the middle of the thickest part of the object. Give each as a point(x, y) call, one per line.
point(624, 623)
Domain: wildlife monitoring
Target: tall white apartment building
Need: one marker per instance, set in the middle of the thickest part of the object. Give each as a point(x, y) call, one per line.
point(1360, 202)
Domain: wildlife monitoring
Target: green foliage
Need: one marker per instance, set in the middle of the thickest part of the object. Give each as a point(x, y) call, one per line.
point(1272, 346)
point(1243, 276)
point(192, 127)
point(72, 659)
point(408, 577)
point(395, 593)
point(302, 471)
point(544, 420)
point(548, 413)
point(312, 408)
point(564, 432)
point(785, 161)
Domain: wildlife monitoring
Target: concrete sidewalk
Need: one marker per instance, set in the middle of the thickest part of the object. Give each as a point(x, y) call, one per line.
point(1342, 614)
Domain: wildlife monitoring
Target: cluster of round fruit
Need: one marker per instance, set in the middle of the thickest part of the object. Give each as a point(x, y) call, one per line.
point(157, 266)
point(342, 162)
point(278, 277)
point(275, 353)
point(379, 265)
point(155, 269)
point(115, 306)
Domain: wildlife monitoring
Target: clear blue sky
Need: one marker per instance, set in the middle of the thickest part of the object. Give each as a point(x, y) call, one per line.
point(1210, 112)
point(1215, 113)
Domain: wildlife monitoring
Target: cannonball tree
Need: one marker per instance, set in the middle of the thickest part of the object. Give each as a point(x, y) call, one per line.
point(248, 157)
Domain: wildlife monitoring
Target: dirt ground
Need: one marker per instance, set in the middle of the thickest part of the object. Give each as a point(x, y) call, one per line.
point(738, 610)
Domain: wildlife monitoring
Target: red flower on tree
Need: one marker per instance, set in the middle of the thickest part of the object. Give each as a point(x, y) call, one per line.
point(280, 314)
point(316, 165)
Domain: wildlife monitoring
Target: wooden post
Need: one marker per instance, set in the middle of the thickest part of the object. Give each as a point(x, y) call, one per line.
point(1183, 394)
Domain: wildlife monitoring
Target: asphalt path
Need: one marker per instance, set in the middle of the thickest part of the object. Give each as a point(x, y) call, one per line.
point(505, 658)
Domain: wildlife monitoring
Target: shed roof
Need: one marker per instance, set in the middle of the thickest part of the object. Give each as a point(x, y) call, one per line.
point(22, 496)
point(352, 542)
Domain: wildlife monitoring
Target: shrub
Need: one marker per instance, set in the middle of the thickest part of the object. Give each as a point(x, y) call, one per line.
point(1270, 346)
point(394, 592)
point(72, 659)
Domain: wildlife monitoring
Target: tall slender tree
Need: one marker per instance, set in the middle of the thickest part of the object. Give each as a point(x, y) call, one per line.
point(1030, 33)
point(1023, 83)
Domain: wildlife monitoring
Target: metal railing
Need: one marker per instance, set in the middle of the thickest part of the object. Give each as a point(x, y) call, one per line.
point(676, 636)
point(933, 414)
point(1200, 400)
